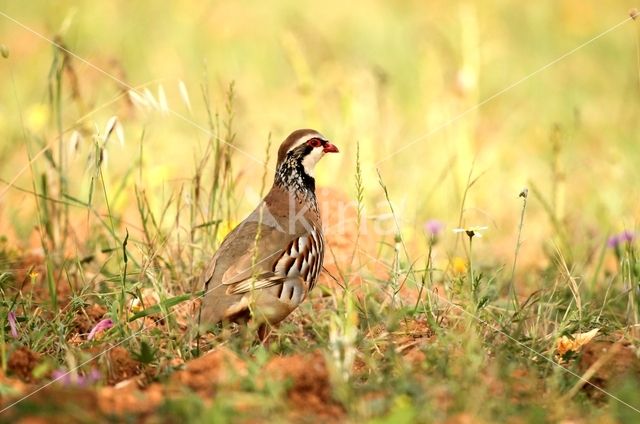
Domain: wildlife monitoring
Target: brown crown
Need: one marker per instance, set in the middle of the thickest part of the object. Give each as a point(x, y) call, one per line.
point(291, 140)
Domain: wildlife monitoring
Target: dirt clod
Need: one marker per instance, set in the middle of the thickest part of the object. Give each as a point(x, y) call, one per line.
point(623, 363)
point(310, 391)
point(121, 365)
point(84, 321)
point(128, 399)
point(22, 362)
point(210, 371)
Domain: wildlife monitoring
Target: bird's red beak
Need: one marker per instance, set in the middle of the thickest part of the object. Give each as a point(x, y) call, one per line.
point(330, 148)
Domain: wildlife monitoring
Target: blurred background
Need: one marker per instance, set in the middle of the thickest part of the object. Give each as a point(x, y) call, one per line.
point(434, 92)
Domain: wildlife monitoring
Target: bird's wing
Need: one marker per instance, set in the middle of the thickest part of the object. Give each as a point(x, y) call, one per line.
point(263, 281)
point(259, 254)
point(241, 257)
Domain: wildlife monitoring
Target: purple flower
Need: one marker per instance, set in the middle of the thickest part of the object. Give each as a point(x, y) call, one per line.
point(104, 324)
point(616, 240)
point(11, 317)
point(68, 378)
point(627, 236)
point(434, 227)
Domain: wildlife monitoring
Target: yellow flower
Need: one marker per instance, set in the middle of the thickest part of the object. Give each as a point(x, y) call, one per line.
point(574, 343)
point(224, 229)
point(459, 265)
point(36, 117)
point(135, 306)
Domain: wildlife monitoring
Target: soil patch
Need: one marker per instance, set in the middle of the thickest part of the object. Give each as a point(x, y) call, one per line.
point(623, 363)
point(204, 375)
point(86, 319)
point(127, 398)
point(310, 390)
point(121, 365)
point(22, 362)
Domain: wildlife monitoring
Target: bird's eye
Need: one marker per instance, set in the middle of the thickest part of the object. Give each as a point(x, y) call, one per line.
point(314, 142)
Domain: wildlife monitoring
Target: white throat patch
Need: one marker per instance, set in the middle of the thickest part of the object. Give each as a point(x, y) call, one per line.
point(309, 162)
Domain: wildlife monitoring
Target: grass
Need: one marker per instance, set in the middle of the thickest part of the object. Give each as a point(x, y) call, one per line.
point(117, 187)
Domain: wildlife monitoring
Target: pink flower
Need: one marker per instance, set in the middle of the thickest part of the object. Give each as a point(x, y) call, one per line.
point(11, 317)
point(624, 237)
point(104, 324)
point(627, 236)
point(67, 378)
point(434, 227)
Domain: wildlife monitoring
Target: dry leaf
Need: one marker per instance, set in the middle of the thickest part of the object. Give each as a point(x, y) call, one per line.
point(162, 100)
point(575, 342)
point(184, 94)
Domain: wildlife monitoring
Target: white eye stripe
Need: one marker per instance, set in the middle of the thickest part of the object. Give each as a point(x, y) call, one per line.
point(304, 139)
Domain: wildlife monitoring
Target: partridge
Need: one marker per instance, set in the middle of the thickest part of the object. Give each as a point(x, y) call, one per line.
point(270, 262)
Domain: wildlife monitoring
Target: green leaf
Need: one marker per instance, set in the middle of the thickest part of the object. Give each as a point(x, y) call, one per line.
point(147, 353)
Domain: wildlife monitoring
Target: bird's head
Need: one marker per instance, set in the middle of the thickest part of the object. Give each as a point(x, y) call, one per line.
point(304, 148)
point(297, 157)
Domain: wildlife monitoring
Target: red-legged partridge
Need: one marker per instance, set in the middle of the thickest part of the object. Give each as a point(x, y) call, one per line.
point(270, 262)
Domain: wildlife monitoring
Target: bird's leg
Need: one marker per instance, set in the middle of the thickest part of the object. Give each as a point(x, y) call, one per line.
point(263, 332)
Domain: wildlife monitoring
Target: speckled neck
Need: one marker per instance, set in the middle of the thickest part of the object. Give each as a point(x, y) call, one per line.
point(291, 176)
